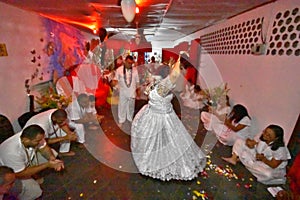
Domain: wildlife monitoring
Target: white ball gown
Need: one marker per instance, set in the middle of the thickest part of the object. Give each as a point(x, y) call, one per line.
point(161, 146)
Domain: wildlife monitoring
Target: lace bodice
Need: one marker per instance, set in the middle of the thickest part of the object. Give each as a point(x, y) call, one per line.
point(160, 97)
point(160, 104)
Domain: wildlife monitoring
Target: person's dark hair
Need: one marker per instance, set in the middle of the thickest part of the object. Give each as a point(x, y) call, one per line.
point(152, 59)
point(87, 46)
point(164, 70)
point(3, 171)
point(81, 96)
point(32, 131)
point(227, 100)
point(129, 57)
point(197, 88)
point(92, 98)
point(279, 140)
point(102, 34)
point(60, 113)
point(185, 61)
point(238, 112)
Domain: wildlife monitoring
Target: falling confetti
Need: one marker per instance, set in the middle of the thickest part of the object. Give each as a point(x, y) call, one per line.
point(81, 195)
point(95, 181)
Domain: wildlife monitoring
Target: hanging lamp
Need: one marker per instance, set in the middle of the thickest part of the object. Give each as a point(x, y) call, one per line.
point(128, 9)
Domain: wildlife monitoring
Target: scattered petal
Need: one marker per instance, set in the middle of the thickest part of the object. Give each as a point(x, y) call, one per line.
point(196, 193)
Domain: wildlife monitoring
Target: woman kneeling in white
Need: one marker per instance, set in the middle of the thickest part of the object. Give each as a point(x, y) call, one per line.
point(266, 159)
point(236, 124)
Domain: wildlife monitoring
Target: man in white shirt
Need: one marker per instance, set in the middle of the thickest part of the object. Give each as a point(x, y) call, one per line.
point(57, 129)
point(27, 153)
point(7, 180)
point(82, 115)
point(128, 82)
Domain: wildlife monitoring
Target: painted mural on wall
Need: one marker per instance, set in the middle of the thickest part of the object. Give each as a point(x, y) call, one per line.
point(68, 45)
point(62, 48)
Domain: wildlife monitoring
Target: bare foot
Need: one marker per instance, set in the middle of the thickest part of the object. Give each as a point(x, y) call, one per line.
point(230, 160)
point(70, 153)
point(80, 145)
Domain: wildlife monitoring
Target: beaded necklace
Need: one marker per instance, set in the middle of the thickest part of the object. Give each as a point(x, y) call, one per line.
point(125, 78)
point(29, 161)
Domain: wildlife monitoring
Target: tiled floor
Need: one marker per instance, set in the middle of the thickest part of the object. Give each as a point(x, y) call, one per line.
point(104, 170)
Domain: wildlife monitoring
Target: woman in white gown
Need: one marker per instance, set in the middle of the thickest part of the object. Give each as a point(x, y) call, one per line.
point(161, 146)
point(235, 125)
point(266, 158)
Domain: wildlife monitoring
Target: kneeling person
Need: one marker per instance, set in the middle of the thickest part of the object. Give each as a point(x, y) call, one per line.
point(57, 129)
point(27, 153)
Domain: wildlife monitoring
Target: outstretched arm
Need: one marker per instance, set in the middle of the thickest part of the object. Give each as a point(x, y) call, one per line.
point(175, 71)
point(57, 165)
point(168, 83)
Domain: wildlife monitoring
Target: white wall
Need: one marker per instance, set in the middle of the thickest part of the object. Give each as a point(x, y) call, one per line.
point(268, 85)
point(21, 32)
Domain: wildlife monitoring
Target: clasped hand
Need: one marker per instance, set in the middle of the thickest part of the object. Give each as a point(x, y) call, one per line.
point(260, 157)
point(56, 164)
point(72, 136)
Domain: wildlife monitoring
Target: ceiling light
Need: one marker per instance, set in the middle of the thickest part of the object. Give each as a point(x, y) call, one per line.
point(128, 9)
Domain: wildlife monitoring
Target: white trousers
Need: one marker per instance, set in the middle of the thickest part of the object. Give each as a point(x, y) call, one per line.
point(79, 129)
point(126, 108)
point(65, 145)
point(30, 188)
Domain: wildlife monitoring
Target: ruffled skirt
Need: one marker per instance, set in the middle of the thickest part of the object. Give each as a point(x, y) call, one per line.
point(162, 148)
